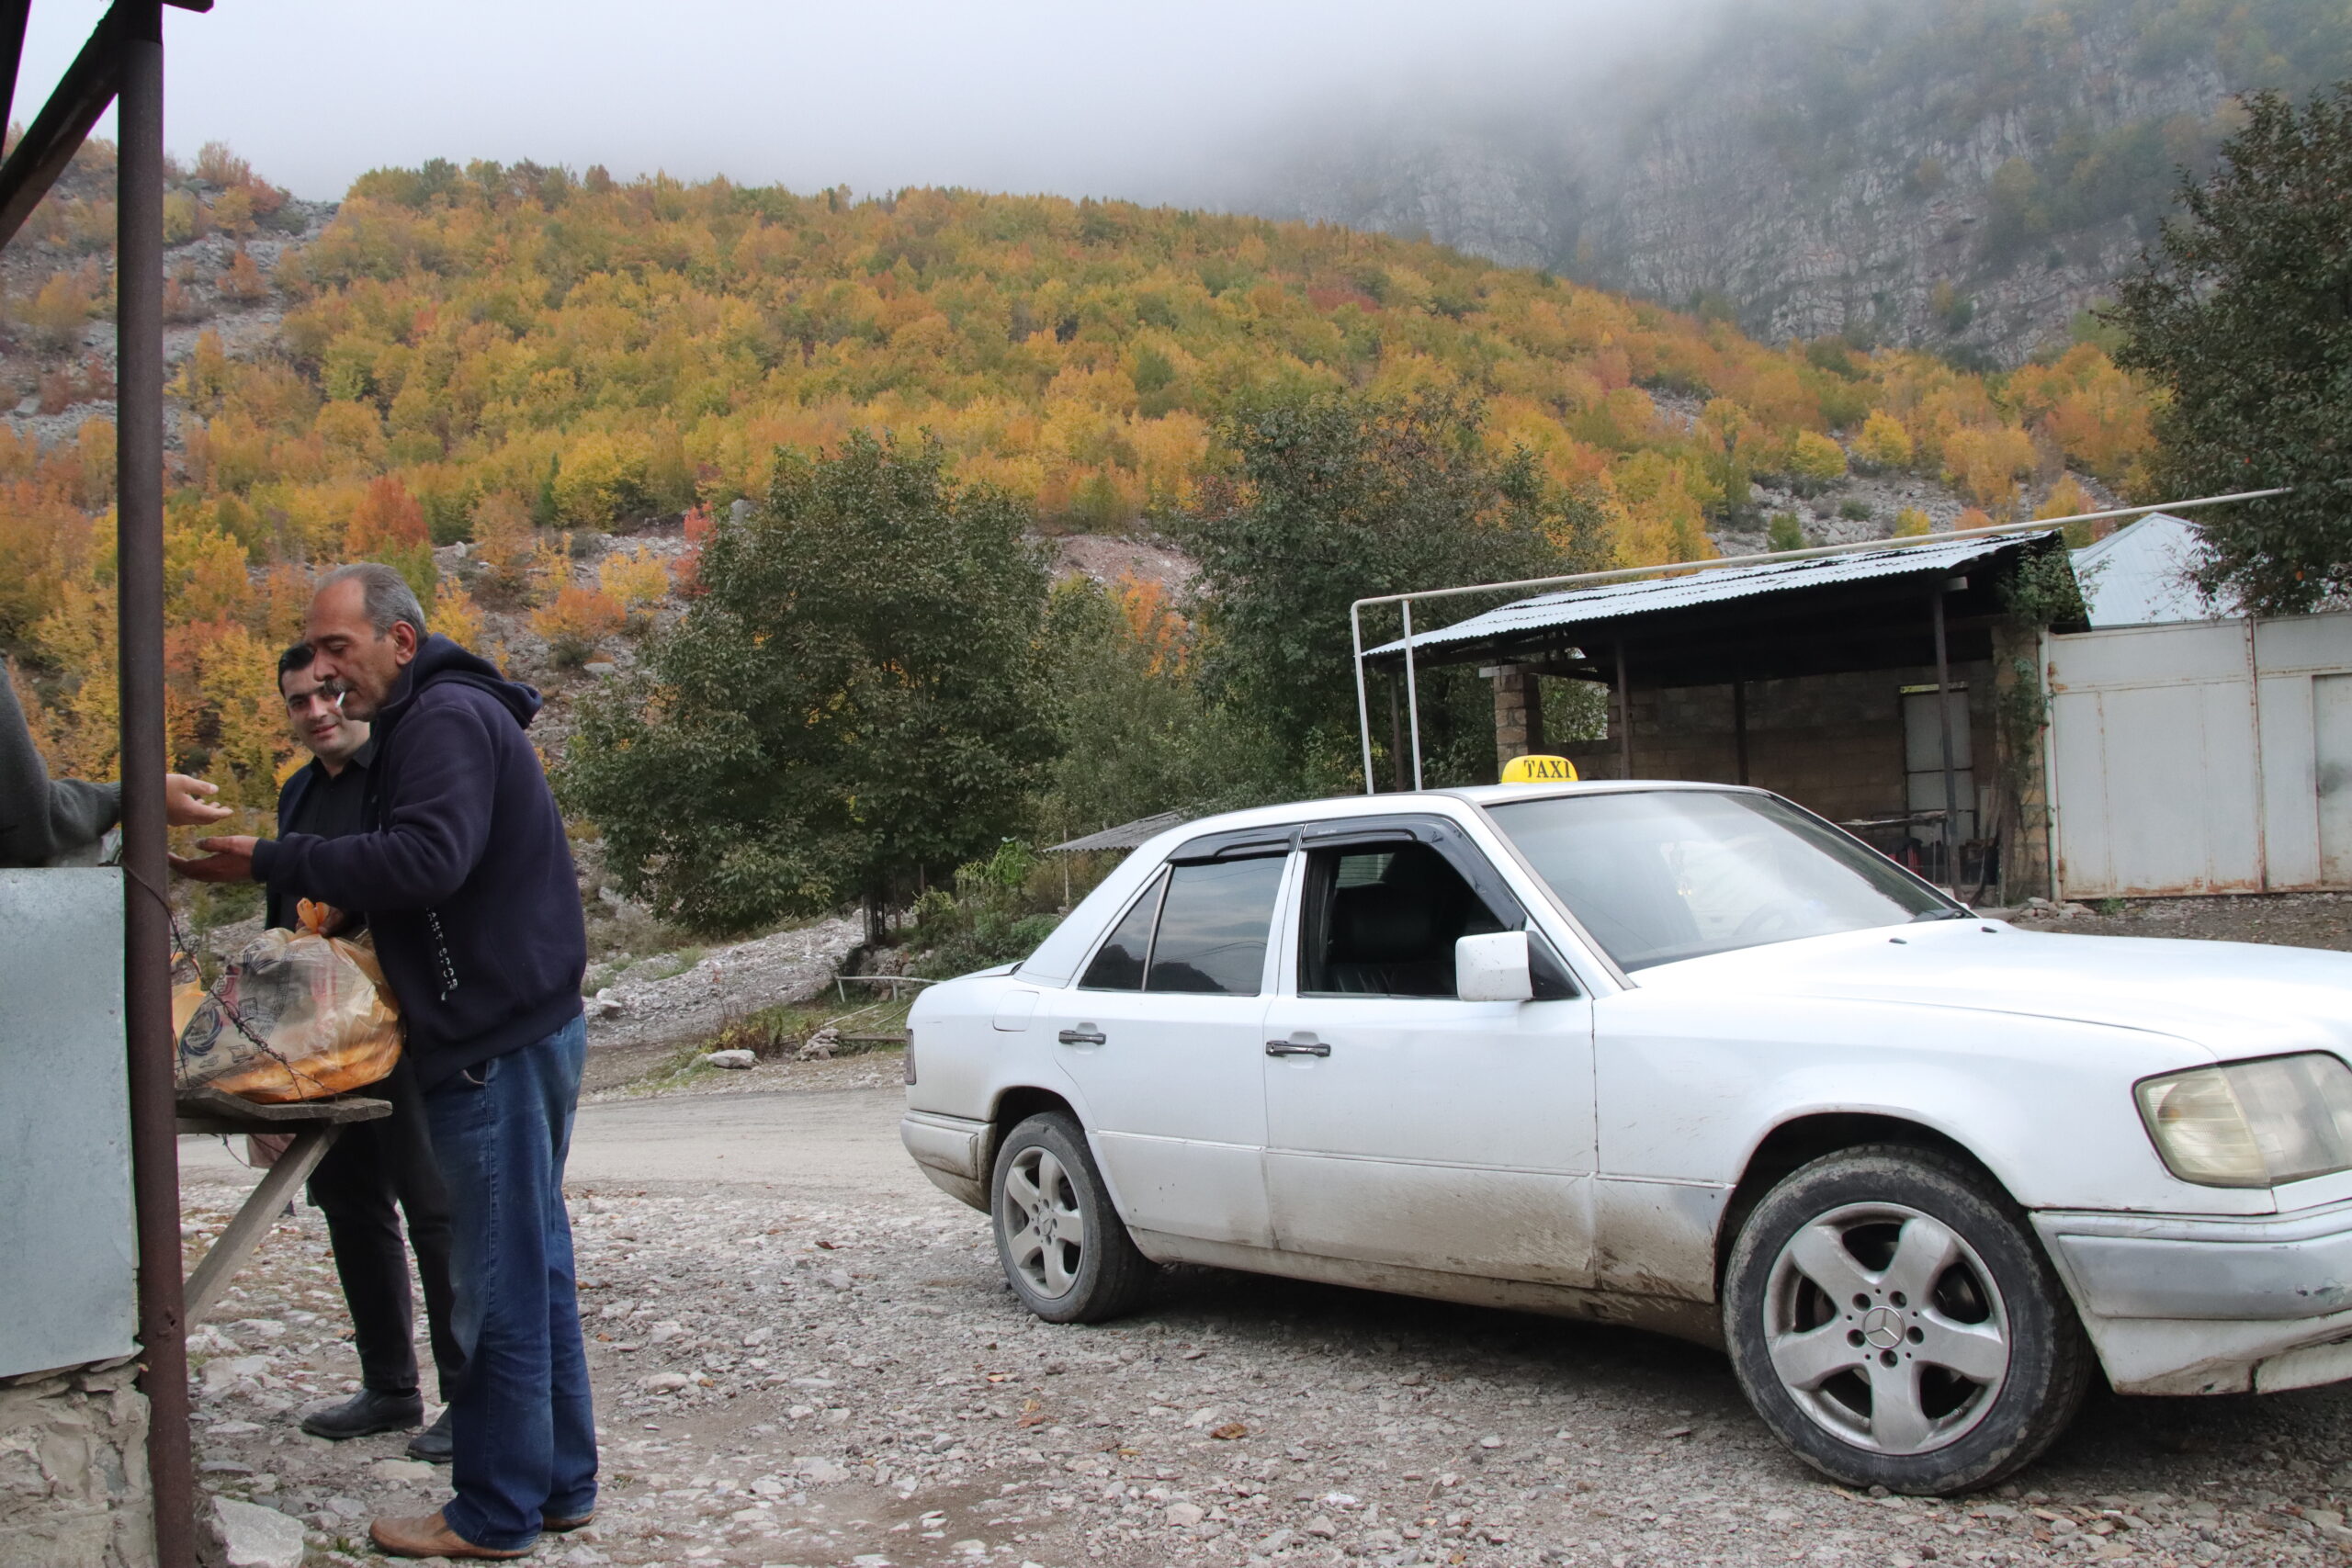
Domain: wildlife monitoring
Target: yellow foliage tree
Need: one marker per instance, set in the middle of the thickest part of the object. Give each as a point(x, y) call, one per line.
point(636, 580)
point(1884, 442)
point(1911, 523)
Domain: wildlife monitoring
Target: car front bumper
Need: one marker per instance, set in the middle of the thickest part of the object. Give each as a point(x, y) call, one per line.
point(2210, 1304)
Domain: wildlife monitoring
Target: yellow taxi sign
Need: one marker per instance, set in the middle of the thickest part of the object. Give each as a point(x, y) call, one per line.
point(1538, 769)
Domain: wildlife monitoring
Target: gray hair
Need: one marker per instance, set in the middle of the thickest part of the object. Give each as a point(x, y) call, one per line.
point(385, 592)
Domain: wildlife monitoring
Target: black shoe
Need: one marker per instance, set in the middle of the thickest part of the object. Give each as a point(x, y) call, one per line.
point(364, 1415)
point(434, 1445)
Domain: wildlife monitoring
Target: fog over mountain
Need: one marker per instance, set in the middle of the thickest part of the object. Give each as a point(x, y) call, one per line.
point(1967, 176)
point(1961, 175)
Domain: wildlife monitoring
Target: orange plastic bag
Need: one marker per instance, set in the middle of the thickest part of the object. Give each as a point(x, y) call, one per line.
point(298, 1016)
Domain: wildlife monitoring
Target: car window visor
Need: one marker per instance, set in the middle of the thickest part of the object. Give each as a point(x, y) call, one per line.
point(1243, 843)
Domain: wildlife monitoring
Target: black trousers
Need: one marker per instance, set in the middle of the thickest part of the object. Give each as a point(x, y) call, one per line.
point(376, 1172)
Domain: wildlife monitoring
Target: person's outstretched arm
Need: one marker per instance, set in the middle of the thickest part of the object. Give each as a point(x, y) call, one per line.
point(40, 818)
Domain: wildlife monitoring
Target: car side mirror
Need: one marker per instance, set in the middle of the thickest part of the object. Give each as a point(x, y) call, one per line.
point(1493, 968)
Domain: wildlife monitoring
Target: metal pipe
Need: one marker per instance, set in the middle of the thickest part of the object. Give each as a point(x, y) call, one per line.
point(1412, 694)
point(1395, 738)
point(1943, 719)
point(1363, 703)
point(147, 917)
point(1625, 718)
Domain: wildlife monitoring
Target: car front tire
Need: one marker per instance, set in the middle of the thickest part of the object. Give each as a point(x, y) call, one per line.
point(1892, 1319)
point(1066, 1252)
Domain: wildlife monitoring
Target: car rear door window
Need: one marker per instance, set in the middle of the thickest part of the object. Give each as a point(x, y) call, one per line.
point(1213, 927)
point(1118, 963)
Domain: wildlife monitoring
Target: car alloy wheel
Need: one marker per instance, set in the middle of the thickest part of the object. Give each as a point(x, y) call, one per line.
point(1886, 1328)
point(1065, 1250)
point(1047, 1245)
point(1894, 1321)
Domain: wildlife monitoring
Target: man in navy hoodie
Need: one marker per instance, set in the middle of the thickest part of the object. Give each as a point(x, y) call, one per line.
point(467, 881)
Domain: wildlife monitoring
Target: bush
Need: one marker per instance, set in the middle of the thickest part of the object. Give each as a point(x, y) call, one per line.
point(577, 620)
point(1854, 509)
point(1785, 533)
point(993, 917)
point(1816, 462)
point(1910, 523)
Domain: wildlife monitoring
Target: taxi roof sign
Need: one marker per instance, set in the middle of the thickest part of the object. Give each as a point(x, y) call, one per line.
point(1539, 768)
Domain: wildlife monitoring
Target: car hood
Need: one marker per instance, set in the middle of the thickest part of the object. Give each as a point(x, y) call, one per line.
point(2237, 998)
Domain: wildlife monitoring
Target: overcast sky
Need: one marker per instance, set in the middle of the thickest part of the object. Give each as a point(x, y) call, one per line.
point(1147, 98)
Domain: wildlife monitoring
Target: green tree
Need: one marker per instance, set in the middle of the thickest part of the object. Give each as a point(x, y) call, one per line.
point(1341, 497)
point(2243, 312)
point(1138, 734)
point(857, 693)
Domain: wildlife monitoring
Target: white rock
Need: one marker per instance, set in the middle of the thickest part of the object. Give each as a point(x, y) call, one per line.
point(739, 1060)
point(1209, 1417)
point(819, 1471)
point(1321, 1526)
point(401, 1472)
point(608, 1005)
point(223, 1372)
point(1184, 1516)
point(837, 1278)
point(664, 1383)
point(663, 1332)
point(251, 1536)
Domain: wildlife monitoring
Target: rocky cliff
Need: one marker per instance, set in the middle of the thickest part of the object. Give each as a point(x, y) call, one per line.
point(1960, 176)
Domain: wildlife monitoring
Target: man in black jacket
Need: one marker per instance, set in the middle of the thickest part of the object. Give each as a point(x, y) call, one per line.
point(468, 884)
point(377, 1170)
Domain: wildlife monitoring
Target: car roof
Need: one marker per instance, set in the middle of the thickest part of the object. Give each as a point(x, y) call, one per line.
point(1388, 805)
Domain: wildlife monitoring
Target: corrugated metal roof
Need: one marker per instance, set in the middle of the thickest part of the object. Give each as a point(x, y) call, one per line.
point(2140, 575)
point(1125, 836)
point(1615, 601)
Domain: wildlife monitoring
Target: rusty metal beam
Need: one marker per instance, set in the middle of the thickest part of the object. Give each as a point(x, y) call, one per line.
point(134, 62)
point(13, 14)
point(57, 132)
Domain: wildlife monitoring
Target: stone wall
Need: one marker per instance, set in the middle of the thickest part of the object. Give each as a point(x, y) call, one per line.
point(74, 1470)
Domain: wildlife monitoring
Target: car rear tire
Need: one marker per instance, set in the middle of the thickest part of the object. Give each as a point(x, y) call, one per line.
point(1066, 1252)
point(1892, 1320)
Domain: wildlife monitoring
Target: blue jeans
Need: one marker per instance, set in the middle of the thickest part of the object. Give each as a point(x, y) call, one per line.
point(521, 1419)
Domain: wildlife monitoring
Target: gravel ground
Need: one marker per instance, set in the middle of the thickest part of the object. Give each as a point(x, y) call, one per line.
point(809, 1358)
point(2292, 919)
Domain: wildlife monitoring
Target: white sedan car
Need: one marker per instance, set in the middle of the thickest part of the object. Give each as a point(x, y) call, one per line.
point(1680, 1056)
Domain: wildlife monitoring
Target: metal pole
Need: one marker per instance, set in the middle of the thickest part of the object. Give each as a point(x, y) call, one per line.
point(147, 917)
point(1396, 736)
point(1943, 716)
point(1363, 703)
point(1412, 694)
point(1739, 724)
point(1625, 718)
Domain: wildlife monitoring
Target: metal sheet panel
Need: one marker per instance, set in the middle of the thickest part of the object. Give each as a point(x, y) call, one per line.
point(67, 1256)
point(1616, 600)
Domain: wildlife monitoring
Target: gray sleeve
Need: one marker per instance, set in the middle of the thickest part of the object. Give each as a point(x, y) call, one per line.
point(42, 818)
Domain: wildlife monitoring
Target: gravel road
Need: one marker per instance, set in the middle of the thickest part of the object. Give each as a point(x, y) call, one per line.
point(805, 1355)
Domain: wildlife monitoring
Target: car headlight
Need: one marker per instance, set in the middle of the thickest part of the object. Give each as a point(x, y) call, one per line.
point(2253, 1123)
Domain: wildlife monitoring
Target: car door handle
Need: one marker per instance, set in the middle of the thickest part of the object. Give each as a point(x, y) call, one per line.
point(1296, 1048)
point(1083, 1037)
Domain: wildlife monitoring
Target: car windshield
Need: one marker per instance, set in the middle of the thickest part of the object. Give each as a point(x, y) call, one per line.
point(1658, 876)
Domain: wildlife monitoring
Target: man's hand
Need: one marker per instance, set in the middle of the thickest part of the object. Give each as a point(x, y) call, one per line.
point(184, 805)
point(225, 860)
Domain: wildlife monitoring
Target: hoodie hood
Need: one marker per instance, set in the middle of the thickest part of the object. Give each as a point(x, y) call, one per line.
point(438, 659)
point(2234, 999)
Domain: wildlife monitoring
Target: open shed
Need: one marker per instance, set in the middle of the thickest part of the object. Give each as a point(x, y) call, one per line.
point(1815, 677)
